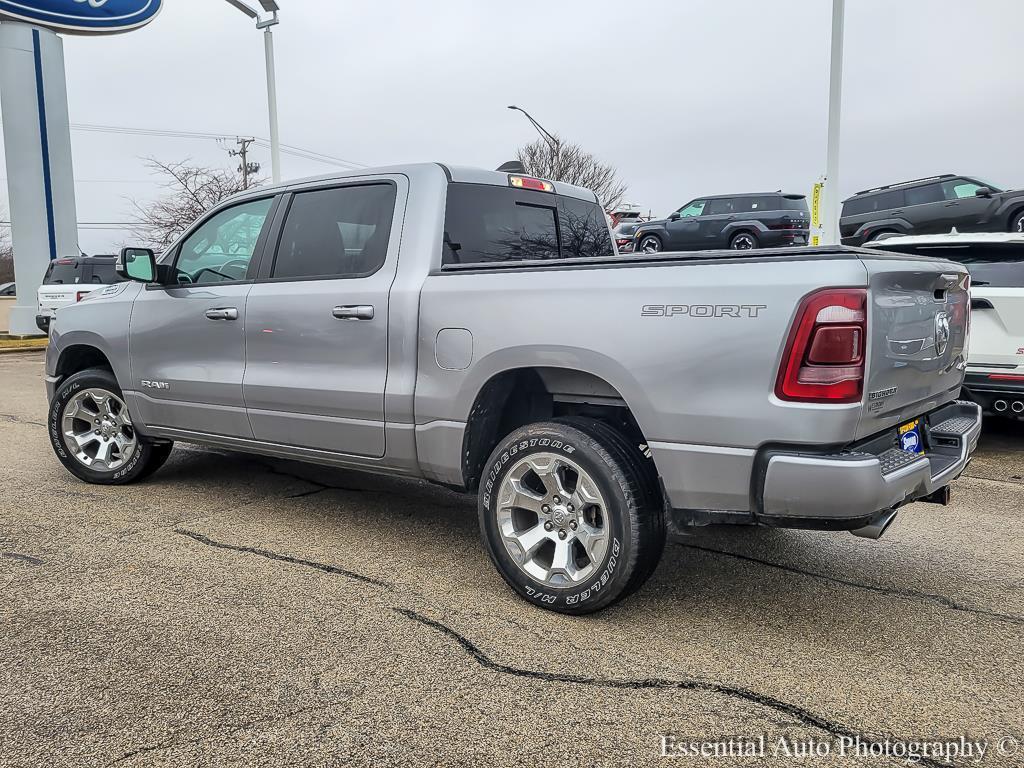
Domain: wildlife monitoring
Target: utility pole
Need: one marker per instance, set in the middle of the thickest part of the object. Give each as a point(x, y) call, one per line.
point(246, 167)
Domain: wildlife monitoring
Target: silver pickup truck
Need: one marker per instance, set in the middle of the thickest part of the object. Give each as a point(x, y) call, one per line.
point(478, 329)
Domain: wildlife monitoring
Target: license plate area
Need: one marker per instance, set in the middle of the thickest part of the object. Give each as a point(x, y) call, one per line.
point(911, 437)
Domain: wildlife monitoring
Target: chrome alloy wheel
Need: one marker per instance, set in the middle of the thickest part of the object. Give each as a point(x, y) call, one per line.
point(553, 520)
point(98, 431)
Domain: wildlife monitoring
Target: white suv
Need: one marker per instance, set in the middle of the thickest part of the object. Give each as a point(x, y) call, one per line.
point(68, 281)
point(995, 366)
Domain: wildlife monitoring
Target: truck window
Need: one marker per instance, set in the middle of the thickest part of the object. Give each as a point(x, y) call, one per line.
point(223, 245)
point(583, 229)
point(62, 272)
point(104, 274)
point(337, 233)
point(486, 224)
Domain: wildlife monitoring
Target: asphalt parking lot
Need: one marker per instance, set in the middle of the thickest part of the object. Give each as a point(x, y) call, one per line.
point(240, 611)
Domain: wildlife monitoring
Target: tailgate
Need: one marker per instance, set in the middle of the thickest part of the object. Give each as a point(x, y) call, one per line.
point(917, 330)
point(50, 298)
point(997, 326)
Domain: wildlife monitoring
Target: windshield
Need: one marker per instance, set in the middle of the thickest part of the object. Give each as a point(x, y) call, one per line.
point(1000, 265)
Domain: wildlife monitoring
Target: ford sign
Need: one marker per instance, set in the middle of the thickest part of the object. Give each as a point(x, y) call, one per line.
point(82, 17)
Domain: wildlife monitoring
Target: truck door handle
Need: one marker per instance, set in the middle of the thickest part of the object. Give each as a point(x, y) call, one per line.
point(222, 313)
point(951, 205)
point(354, 312)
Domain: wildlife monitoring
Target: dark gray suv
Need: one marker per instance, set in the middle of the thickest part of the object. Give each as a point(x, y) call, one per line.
point(931, 206)
point(740, 222)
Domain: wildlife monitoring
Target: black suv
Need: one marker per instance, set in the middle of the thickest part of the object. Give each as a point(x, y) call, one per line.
point(930, 206)
point(762, 220)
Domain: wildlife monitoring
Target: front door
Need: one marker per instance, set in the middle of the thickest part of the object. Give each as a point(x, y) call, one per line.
point(963, 208)
point(684, 227)
point(187, 339)
point(317, 320)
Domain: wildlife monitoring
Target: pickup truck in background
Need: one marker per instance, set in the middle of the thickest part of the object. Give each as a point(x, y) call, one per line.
point(69, 280)
point(479, 330)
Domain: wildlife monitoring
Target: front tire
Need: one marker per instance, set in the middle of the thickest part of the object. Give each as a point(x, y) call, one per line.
point(650, 244)
point(1017, 222)
point(568, 516)
point(92, 434)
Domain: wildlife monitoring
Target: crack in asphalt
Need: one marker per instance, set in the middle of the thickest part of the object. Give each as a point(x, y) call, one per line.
point(1015, 480)
point(24, 558)
point(332, 569)
point(174, 741)
point(909, 594)
point(11, 418)
point(800, 714)
point(804, 716)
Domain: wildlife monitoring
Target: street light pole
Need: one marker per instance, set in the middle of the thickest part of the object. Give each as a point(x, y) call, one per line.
point(544, 133)
point(830, 218)
point(275, 138)
point(271, 7)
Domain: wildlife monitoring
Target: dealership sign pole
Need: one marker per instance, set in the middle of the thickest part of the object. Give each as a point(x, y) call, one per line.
point(37, 136)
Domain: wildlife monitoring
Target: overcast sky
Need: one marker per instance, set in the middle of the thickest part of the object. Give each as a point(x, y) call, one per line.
point(685, 98)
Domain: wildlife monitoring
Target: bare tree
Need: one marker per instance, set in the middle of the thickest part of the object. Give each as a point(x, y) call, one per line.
point(563, 161)
point(190, 191)
point(6, 251)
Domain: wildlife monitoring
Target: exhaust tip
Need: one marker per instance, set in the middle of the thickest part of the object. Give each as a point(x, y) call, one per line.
point(1018, 406)
point(1000, 406)
point(878, 525)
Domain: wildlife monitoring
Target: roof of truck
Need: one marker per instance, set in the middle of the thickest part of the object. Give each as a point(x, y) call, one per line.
point(457, 173)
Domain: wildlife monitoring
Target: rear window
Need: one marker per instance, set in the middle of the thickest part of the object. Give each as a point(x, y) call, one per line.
point(489, 224)
point(63, 272)
point(102, 274)
point(883, 201)
point(1000, 265)
point(791, 203)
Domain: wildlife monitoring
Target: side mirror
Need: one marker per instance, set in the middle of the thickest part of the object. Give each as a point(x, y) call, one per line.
point(983, 192)
point(138, 264)
point(674, 216)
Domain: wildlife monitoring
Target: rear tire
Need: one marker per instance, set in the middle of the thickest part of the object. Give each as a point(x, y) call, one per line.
point(743, 241)
point(92, 434)
point(568, 517)
point(1017, 222)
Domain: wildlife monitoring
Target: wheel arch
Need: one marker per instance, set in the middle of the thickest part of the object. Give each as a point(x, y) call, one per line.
point(521, 395)
point(75, 358)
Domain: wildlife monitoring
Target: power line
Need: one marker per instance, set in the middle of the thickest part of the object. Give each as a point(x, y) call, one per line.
point(289, 149)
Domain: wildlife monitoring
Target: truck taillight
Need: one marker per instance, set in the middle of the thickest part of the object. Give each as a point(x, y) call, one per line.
point(81, 295)
point(824, 357)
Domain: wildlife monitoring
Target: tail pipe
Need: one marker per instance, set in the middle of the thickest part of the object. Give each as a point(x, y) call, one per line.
point(1018, 406)
point(878, 525)
point(1000, 406)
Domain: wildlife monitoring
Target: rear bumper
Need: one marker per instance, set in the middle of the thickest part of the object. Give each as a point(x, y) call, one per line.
point(43, 323)
point(1005, 398)
point(847, 489)
point(779, 238)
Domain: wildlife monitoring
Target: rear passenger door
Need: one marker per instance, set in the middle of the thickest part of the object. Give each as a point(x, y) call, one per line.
point(925, 209)
point(317, 318)
point(715, 218)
